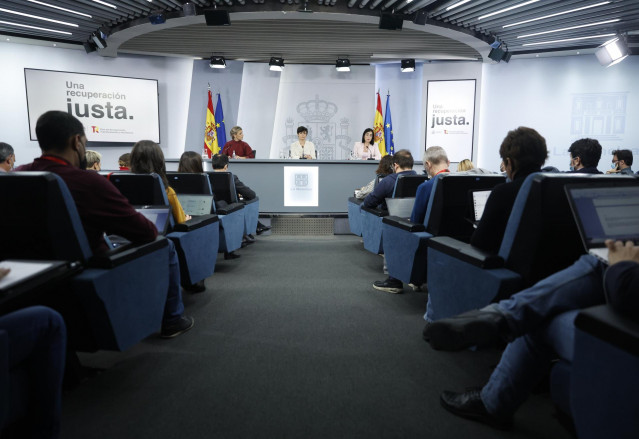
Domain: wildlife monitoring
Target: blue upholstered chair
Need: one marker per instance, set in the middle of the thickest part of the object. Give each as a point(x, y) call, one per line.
point(233, 215)
point(355, 215)
point(405, 243)
point(405, 186)
point(599, 388)
point(541, 238)
point(196, 241)
point(223, 185)
point(122, 293)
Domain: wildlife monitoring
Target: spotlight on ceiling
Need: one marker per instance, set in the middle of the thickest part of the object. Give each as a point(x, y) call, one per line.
point(157, 17)
point(390, 21)
point(408, 65)
point(499, 55)
point(343, 65)
point(189, 9)
point(98, 39)
point(217, 62)
point(611, 52)
point(276, 64)
point(217, 17)
point(89, 46)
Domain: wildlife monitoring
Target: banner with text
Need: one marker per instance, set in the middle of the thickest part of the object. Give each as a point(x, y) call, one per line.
point(450, 115)
point(111, 108)
point(301, 186)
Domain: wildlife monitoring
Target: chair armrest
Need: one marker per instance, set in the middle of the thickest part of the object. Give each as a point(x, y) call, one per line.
point(403, 223)
point(125, 254)
point(466, 252)
point(375, 211)
point(355, 200)
point(233, 207)
point(195, 223)
point(606, 324)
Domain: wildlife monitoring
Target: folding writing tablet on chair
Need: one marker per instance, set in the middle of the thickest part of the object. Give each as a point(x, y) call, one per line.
point(196, 205)
point(605, 211)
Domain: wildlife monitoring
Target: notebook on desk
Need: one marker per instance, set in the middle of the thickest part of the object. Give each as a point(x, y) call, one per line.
point(604, 211)
point(401, 207)
point(196, 205)
point(26, 274)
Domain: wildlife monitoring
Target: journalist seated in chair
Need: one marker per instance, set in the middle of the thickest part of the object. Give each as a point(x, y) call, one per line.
point(93, 160)
point(584, 156)
point(146, 158)
point(367, 149)
point(124, 162)
point(621, 162)
point(435, 162)
point(538, 323)
point(402, 165)
point(237, 148)
point(220, 163)
point(190, 162)
point(102, 208)
point(7, 157)
point(384, 169)
point(302, 148)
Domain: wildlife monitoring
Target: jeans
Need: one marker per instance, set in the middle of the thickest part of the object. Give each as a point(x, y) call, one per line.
point(541, 321)
point(37, 339)
point(173, 308)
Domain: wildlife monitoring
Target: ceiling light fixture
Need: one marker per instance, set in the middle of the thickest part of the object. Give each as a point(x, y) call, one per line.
point(59, 8)
point(343, 65)
point(408, 65)
point(9, 11)
point(105, 4)
point(99, 39)
point(457, 4)
point(217, 62)
point(612, 52)
point(555, 15)
point(569, 39)
point(276, 64)
point(508, 9)
point(35, 27)
point(157, 17)
point(569, 28)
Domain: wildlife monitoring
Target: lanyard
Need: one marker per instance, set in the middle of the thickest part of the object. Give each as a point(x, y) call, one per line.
point(55, 159)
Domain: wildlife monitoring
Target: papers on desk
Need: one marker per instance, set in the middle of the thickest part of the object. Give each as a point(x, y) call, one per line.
point(22, 271)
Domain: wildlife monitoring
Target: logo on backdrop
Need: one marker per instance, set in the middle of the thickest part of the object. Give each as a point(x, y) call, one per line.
point(331, 139)
point(599, 115)
point(301, 180)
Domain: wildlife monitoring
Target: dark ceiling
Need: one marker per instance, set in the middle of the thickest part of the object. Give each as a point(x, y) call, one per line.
point(321, 30)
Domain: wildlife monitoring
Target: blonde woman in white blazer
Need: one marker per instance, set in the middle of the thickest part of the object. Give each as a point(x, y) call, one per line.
point(366, 148)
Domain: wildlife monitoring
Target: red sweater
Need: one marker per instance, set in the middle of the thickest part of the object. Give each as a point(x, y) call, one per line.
point(241, 149)
point(102, 208)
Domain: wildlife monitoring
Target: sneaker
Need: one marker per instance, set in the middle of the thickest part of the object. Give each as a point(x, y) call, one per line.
point(182, 325)
point(390, 285)
point(198, 287)
point(231, 255)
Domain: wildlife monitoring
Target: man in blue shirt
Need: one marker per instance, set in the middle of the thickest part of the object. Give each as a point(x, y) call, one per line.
point(435, 162)
point(402, 165)
point(621, 162)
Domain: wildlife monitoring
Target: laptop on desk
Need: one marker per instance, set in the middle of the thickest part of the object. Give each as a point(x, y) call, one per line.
point(196, 205)
point(605, 211)
point(158, 215)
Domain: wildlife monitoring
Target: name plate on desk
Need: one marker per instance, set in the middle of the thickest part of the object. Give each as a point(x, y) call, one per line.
point(301, 186)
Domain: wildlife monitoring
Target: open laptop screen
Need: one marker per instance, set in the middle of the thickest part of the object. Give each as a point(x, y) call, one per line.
point(158, 215)
point(478, 199)
point(196, 205)
point(606, 213)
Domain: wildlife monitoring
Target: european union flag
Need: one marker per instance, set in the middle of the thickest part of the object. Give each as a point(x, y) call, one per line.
point(388, 129)
point(219, 123)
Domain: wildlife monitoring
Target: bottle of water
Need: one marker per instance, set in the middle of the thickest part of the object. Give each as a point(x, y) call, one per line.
point(233, 154)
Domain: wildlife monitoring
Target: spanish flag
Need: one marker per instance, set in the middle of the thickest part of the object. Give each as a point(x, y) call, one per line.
point(378, 127)
point(210, 132)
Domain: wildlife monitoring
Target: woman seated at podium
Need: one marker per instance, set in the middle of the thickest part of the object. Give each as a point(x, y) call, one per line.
point(366, 149)
point(146, 158)
point(302, 149)
point(237, 148)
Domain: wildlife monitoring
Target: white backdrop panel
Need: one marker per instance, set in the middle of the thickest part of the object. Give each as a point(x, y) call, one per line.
point(335, 107)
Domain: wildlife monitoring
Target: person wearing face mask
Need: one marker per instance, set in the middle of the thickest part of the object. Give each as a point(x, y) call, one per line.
point(7, 157)
point(101, 207)
point(621, 162)
point(584, 156)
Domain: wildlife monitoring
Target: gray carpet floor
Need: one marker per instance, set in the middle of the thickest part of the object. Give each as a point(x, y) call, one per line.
point(291, 341)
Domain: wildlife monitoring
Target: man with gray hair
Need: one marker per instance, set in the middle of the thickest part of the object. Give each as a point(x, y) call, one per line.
point(7, 157)
point(435, 162)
